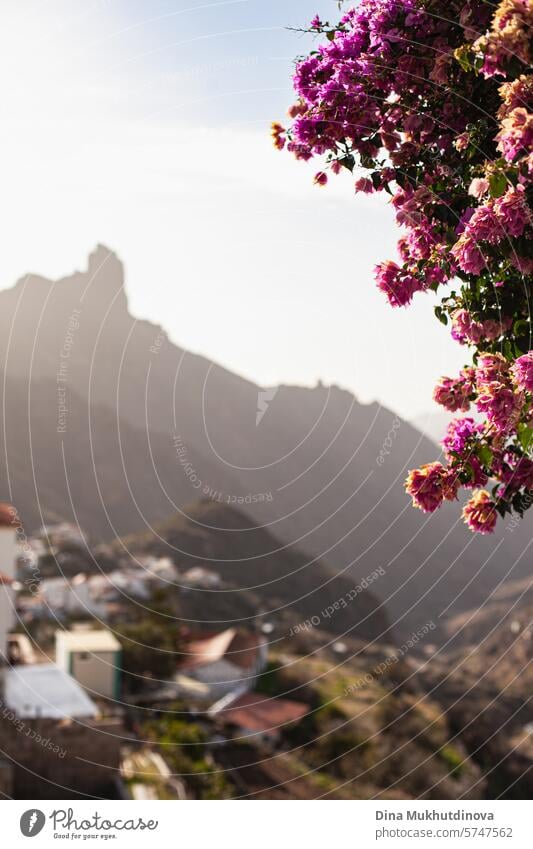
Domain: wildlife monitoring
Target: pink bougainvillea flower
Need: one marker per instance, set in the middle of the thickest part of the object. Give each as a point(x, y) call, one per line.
point(398, 285)
point(479, 187)
point(522, 372)
point(480, 513)
point(460, 435)
point(464, 328)
point(491, 368)
point(320, 179)
point(501, 406)
point(454, 393)
point(512, 211)
point(493, 329)
point(517, 474)
point(469, 255)
point(430, 485)
point(364, 184)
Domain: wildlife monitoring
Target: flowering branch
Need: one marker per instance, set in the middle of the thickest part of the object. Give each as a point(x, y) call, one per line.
point(433, 102)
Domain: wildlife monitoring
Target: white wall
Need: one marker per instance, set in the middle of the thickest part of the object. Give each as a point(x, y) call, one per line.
point(95, 671)
point(9, 551)
point(7, 616)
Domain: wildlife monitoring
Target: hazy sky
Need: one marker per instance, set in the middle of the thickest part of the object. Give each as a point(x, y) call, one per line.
point(144, 124)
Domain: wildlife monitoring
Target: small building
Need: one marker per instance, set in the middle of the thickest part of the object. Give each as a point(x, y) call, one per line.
point(200, 578)
point(44, 691)
point(93, 658)
point(73, 597)
point(9, 540)
point(217, 663)
point(9, 552)
point(160, 569)
point(7, 614)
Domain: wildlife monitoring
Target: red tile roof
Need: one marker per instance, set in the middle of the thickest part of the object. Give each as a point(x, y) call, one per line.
point(208, 649)
point(238, 647)
point(257, 713)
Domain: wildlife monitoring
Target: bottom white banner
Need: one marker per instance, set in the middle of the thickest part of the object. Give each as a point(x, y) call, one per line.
point(234, 824)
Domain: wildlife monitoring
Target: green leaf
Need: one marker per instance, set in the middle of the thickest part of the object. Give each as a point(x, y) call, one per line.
point(521, 327)
point(508, 350)
point(497, 184)
point(525, 436)
point(441, 315)
point(463, 56)
point(468, 474)
point(485, 455)
point(502, 507)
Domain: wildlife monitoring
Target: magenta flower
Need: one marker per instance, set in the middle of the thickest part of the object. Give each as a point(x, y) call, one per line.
point(469, 256)
point(461, 434)
point(515, 139)
point(522, 372)
point(473, 466)
point(512, 211)
point(518, 475)
point(501, 406)
point(462, 141)
point(523, 264)
point(430, 486)
point(454, 394)
point(399, 286)
point(492, 368)
point(298, 108)
point(485, 225)
point(494, 329)
point(465, 329)
point(364, 184)
point(480, 513)
point(321, 179)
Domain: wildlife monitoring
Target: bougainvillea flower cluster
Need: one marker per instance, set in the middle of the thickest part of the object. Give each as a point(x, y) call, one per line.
point(432, 103)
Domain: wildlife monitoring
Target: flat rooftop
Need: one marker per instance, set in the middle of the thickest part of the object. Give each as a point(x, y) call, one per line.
point(82, 640)
point(44, 690)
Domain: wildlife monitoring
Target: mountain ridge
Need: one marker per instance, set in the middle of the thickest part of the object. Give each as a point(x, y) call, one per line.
point(323, 472)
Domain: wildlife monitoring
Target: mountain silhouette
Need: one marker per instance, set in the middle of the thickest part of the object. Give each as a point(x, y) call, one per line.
point(110, 424)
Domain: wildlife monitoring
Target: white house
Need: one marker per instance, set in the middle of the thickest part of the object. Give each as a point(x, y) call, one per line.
point(74, 596)
point(9, 551)
point(44, 691)
point(93, 658)
point(9, 544)
point(7, 614)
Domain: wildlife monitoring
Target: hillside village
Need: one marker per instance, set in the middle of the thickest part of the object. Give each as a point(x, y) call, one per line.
point(117, 688)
